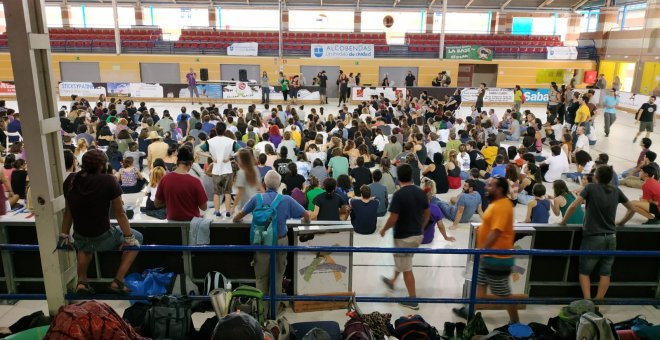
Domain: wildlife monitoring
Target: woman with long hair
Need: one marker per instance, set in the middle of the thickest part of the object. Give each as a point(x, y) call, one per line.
point(453, 170)
point(311, 191)
point(567, 145)
point(303, 165)
point(171, 158)
point(274, 135)
point(563, 199)
point(80, 150)
point(129, 177)
point(293, 180)
point(288, 143)
point(533, 176)
point(157, 173)
point(437, 172)
point(436, 216)
point(247, 181)
point(512, 175)
point(388, 180)
point(271, 155)
point(351, 152)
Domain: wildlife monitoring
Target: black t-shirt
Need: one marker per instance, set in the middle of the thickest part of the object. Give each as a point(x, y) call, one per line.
point(329, 206)
point(364, 216)
point(292, 182)
point(89, 199)
point(648, 111)
point(282, 166)
point(409, 202)
point(19, 182)
point(601, 201)
point(477, 160)
point(480, 187)
point(410, 80)
point(361, 175)
point(323, 80)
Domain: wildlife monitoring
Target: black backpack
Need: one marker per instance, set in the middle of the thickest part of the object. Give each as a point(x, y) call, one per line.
point(169, 318)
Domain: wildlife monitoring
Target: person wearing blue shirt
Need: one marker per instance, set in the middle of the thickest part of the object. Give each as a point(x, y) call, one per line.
point(610, 102)
point(461, 208)
point(14, 126)
point(288, 208)
point(500, 168)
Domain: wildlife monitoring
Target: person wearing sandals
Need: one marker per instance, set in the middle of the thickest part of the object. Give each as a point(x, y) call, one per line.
point(89, 195)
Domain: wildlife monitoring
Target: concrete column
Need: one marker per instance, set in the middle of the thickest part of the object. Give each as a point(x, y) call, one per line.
point(429, 20)
point(500, 22)
point(285, 20)
point(607, 19)
point(139, 16)
point(66, 15)
point(507, 22)
point(574, 26)
point(357, 20)
point(213, 17)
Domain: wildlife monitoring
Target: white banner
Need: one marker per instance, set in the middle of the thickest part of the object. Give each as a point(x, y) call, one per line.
point(349, 51)
point(493, 95)
point(142, 90)
point(81, 89)
point(632, 101)
point(562, 52)
point(242, 90)
point(360, 93)
point(248, 48)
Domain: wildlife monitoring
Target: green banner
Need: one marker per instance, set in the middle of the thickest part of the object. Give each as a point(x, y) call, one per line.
point(473, 52)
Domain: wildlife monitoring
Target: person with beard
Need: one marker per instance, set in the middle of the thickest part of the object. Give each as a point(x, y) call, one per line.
point(461, 208)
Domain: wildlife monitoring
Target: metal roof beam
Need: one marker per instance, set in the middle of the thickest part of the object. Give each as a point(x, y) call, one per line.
point(545, 3)
point(579, 4)
point(505, 4)
point(469, 3)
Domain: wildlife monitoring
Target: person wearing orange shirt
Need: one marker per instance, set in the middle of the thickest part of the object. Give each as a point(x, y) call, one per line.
point(496, 232)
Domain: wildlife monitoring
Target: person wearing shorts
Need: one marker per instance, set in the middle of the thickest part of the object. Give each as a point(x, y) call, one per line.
point(599, 228)
point(221, 149)
point(647, 206)
point(646, 118)
point(496, 232)
point(409, 212)
point(89, 195)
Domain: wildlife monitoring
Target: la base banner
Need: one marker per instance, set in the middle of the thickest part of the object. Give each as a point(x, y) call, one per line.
point(346, 51)
point(468, 52)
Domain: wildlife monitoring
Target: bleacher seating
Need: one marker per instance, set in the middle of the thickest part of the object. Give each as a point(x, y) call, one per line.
point(268, 40)
point(104, 37)
point(501, 43)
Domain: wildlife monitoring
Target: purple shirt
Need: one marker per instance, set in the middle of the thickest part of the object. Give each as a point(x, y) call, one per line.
point(191, 79)
point(436, 215)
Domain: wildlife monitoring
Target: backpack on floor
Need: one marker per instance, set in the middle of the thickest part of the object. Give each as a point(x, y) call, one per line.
point(263, 230)
point(595, 327)
point(215, 280)
point(356, 329)
point(248, 300)
point(135, 315)
point(183, 285)
point(169, 318)
point(412, 328)
point(475, 326)
point(571, 314)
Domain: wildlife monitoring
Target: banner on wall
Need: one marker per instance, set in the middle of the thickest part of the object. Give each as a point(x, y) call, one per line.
point(350, 51)
point(119, 89)
point(632, 101)
point(143, 90)
point(82, 89)
point(7, 88)
point(209, 90)
point(360, 93)
point(473, 52)
point(242, 90)
point(562, 53)
point(536, 95)
point(492, 95)
point(244, 49)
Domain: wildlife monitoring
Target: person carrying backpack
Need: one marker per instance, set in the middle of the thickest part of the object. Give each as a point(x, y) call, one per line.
point(282, 208)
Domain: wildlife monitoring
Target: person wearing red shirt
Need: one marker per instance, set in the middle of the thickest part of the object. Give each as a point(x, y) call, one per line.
point(182, 194)
point(647, 205)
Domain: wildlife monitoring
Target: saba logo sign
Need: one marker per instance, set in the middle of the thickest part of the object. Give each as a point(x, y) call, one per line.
point(318, 51)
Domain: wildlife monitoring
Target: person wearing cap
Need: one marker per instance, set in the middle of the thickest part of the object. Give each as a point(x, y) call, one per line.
point(157, 148)
point(89, 196)
point(287, 208)
point(182, 193)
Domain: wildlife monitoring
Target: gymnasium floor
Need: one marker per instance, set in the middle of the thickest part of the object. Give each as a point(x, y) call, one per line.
point(436, 275)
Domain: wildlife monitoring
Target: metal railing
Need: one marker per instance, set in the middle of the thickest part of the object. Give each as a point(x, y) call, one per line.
point(472, 300)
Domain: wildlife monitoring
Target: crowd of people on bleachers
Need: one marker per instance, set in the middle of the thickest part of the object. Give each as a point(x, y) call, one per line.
point(366, 165)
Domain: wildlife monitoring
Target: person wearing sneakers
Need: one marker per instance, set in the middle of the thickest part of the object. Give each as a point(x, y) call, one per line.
point(409, 213)
point(496, 232)
point(645, 116)
point(647, 205)
point(221, 149)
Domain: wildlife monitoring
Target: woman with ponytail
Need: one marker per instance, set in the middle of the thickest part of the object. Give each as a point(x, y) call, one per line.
point(329, 206)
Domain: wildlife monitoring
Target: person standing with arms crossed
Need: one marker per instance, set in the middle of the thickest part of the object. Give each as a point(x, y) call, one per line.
point(495, 232)
point(646, 118)
point(323, 87)
point(192, 85)
point(409, 213)
point(598, 228)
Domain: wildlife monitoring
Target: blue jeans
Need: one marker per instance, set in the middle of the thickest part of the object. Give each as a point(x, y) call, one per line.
point(573, 175)
point(448, 210)
point(632, 172)
point(464, 175)
point(524, 197)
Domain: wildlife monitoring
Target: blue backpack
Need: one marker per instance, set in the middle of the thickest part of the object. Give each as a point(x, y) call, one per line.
point(263, 230)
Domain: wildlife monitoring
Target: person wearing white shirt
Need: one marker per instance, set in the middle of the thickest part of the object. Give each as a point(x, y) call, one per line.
point(582, 140)
point(261, 146)
point(464, 162)
point(380, 140)
point(221, 149)
point(433, 146)
point(372, 110)
point(557, 164)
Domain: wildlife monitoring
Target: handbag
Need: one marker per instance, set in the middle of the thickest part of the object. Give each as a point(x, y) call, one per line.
point(150, 282)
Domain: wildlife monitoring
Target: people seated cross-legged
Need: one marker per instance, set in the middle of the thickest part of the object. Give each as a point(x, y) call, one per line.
point(647, 205)
point(364, 211)
point(635, 181)
point(462, 207)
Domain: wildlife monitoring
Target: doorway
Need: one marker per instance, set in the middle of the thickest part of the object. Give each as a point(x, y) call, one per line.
point(471, 75)
point(397, 75)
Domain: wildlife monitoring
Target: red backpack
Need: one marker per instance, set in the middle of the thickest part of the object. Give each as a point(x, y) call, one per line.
point(89, 320)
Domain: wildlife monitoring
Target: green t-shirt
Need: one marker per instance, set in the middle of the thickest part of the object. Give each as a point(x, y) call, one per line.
point(311, 195)
point(285, 85)
point(339, 166)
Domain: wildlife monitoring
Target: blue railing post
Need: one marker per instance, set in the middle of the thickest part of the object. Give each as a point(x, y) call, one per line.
point(473, 286)
point(272, 277)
